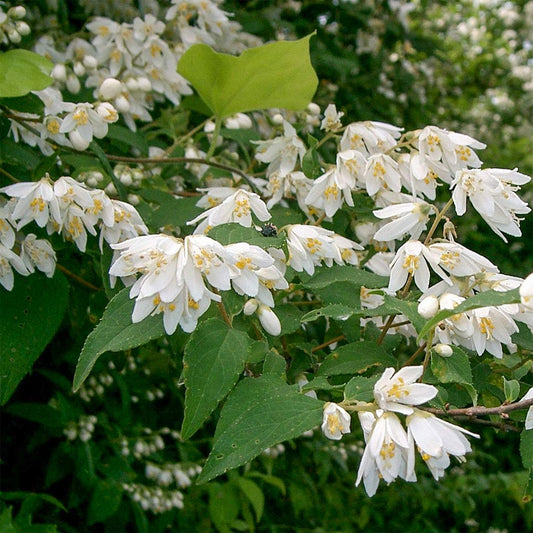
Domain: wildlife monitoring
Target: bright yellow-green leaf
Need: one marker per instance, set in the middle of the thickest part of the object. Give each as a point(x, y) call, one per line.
point(22, 71)
point(278, 74)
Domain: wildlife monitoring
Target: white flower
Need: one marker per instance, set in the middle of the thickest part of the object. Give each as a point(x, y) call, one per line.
point(82, 123)
point(382, 173)
point(7, 233)
point(454, 150)
point(459, 260)
point(332, 119)
point(36, 201)
point(386, 455)
point(235, 208)
point(335, 422)
point(491, 192)
point(9, 260)
point(310, 245)
point(38, 253)
point(436, 440)
point(370, 137)
point(526, 292)
point(294, 183)
point(492, 328)
point(409, 218)
point(126, 224)
point(281, 152)
point(399, 391)
point(413, 258)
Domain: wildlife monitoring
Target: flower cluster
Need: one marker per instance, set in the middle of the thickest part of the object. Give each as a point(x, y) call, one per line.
point(174, 273)
point(65, 207)
point(12, 27)
point(390, 448)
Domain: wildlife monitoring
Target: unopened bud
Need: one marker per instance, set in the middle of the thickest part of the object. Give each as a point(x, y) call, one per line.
point(428, 307)
point(122, 104)
point(314, 109)
point(277, 119)
point(78, 68)
point(444, 350)
point(144, 84)
point(90, 62)
point(22, 28)
point(73, 84)
point(250, 307)
point(59, 72)
point(78, 142)
point(110, 88)
point(17, 12)
point(269, 320)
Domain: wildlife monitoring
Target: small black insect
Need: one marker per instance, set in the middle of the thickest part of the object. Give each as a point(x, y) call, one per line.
point(269, 230)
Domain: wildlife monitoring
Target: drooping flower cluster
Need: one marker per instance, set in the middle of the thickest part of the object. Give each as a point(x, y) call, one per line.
point(174, 273)
point(390, 448)
point(65, 207)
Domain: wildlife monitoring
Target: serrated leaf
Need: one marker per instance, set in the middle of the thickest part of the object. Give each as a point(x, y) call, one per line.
point(526, 448)
point(22, 71)
point(232, 232)
point(409, 309)
point(484, 299)
point(360, 389)
point(278, 74)
point(214, 359)
point(453, 369)
point(354, 358)
point(274, 364)
point(528, 488)
point(259, 413)
point(116, 332)
point(30, 315)
point(325, 276)
point(128, 137)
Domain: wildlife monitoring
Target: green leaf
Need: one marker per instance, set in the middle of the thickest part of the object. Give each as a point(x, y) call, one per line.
point(511, 389)
point(223, 506)
point(310, 162)
point(274, 364)
point(354, 358)
point(526, 448)
point(325, 276)
point(453, 369)
point(214, 359)
point(172, 211)
point(259, 413)
point(115, 332)
point(232, 232)
point(524, 337)
point(484, 299)
point(278, 74)
point(528, 489)
point(360, 388)
point(30, 315)
point(128, 137)
point(36, 412)
point(331, 311)
point(104, 502)
point(6, 523)
point(22, 71)
point(254, 494)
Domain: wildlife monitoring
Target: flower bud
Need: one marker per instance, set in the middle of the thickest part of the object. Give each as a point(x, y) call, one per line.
point(78, 142)
point(126, 179)
point(122, 104)
point(111, 189)
point(13, 36)
point(335, 421)
point(90, 62)
point(22, 28)
point(145, 84)
point(277, 119)
point(314, 109)
point(78, 68)
point(17, 12)
point(428, 306)
point(110, 89)
point(59, 72)
point(250, 307)
point(269, 320)
point(73, 84)
point(444, 350)
point(132, 84)
point(133, 199)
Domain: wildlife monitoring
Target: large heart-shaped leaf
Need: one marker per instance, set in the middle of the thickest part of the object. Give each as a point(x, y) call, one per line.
point(278, 74)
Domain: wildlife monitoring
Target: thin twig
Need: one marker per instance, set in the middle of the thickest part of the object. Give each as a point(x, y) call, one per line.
point(501, 410)
point(81, 281)
point(326, 344)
